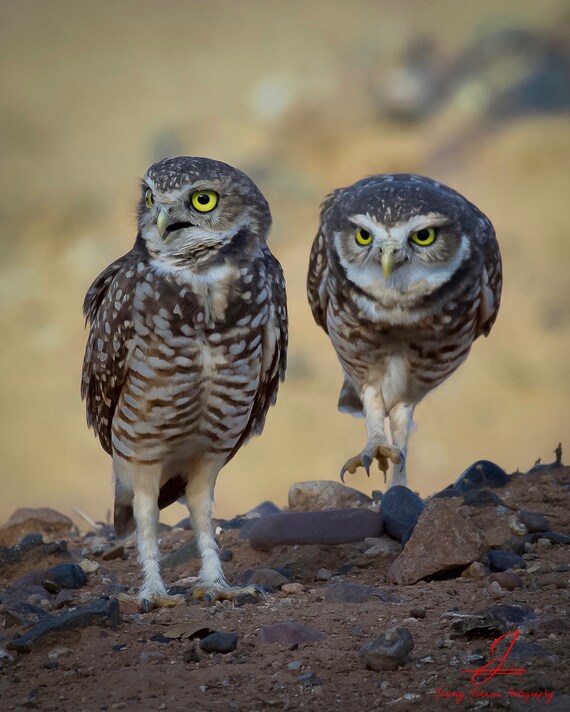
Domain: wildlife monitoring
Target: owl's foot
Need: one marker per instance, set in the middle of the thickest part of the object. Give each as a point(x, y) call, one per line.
point(158, 600)
point(222, 591)
point(383, 453)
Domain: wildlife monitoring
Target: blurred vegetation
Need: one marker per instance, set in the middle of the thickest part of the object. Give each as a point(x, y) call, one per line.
point(305, 97)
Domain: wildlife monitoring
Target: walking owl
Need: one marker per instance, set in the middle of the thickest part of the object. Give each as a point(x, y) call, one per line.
point(187, 345)
point(404, 275)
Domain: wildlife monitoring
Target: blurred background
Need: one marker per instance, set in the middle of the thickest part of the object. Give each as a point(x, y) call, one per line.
point(305, 97)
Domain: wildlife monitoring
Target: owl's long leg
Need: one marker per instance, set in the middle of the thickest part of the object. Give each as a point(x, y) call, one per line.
point(146, 485)
point(401, 425)
point(377, 447)
point(211, 584)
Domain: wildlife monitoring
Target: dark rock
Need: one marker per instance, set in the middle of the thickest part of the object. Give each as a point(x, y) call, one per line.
point(244, 599)
point(481, 498)
point(400, 509)
point(448, 492)
point(99, 612)
point(500, 560)
point(262, 510)
point(63, 598)
point(553, 579)
point(308, 679)
point(33, 538)
point(115, 552)
point(522, 650)
point(184, 524)
point(219, 642)
point(407, 535)
point(268, 579)
point(328, 527)
point(31, 551)
point(182, 555)
point(419, 613)
point(159, 638)
point(547, 623)
point(507, 580)
point(289, 634)
point(23, 614)
point(554, 537)
point(480, 474)
point(226, 555)
point(534, 521)
point(458, 544)
point(64, 576)
point(356, 593)
point(234, 523)
point(388, 652)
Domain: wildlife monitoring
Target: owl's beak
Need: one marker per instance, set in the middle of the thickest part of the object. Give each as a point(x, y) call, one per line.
point(162, 221)
point(387, 261)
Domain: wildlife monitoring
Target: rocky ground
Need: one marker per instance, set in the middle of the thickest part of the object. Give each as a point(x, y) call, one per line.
point(352, 617)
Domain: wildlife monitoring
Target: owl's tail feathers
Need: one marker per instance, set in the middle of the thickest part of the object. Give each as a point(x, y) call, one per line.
point(349, 400)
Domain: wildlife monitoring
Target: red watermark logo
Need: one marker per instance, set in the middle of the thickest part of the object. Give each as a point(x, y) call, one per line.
point(497, 666)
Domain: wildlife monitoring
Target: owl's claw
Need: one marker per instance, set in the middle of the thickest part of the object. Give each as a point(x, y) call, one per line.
point(148, 603)
point(224, 592)
point(383, 453)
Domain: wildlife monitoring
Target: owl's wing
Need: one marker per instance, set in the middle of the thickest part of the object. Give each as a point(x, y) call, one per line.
point(107, 308)
point(491, 284)
point(273, 353)
point(319, 269)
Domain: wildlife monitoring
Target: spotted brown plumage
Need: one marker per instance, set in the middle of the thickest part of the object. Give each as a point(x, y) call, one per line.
point(187, 345)
point(404, 275)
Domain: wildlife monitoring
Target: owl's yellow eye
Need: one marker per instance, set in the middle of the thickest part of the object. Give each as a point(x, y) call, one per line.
point(363, 237)
point(149, 199)
point(423, 237)
point(204, 200)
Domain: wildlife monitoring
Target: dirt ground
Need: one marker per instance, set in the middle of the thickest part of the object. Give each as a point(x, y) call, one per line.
point(138, 667)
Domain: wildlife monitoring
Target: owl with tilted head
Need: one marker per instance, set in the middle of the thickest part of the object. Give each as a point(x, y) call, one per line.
point(404, 275)
point(187, 345)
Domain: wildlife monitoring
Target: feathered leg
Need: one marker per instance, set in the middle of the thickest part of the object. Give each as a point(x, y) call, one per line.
point(401, 425)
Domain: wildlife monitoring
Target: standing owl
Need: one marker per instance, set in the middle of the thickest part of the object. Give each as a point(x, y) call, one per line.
point(404, 275)
point(187, 345)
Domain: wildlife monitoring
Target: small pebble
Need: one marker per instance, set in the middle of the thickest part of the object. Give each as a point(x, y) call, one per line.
point(475, 571)
point(294, 665)
point(388, 652)
point(419, 613)
point(309, 679)
point(516, 526)
point(115, 552)
point(191, 655)
point(219, 642)
point(293, 588)
point(500, 560)
point(495, 589)
point(534, 521)
point(323, 575)
point(508, 580)
point(88, 566)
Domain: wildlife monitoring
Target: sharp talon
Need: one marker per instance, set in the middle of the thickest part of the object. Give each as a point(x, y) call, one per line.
point(342, 474)
point(366, 462)
point(209, 598)
point(145, 605)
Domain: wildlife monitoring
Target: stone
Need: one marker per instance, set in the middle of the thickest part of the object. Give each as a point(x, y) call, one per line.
point(419, 613)
point(500, 560)
point(88, 566)
point(382, 546)
point(308, 679)
point(23, 614)
point(185, 553)
point(400, 509)
point(495, 589)
point(115, 552)
point(553, 579)
point(318, 495)
point(495, 621)
point(64, 576)
point(45, 521)
point(269, 579)
point(226, 555)
point(481, 498)
point(341, 526)
point(191, 655)
point(447, 493)
point(323, 575)
point(458, 545)
point(507, 580)
point(32, 552)
point(291, 589)
point(355, 593)
point(219, 642)
point(289, 633)
point(388, 652)
point(480, 474)
point(101, 611)
point(534, 521)
point(262, 510)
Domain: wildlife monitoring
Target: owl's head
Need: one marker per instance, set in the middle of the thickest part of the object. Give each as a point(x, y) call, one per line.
point(399, 234)
point(191, 208)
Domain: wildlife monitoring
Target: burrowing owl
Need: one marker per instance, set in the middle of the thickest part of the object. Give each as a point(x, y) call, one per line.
point(187, 344)
point(404, 275)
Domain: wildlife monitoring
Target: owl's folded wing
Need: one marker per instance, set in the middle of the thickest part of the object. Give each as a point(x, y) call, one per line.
point(107, 308)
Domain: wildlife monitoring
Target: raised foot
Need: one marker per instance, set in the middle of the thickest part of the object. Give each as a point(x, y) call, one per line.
point(159, 600)
point(222, 591)
point(383, 453)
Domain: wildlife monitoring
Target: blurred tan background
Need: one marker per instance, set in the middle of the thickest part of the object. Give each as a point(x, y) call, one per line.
point(305, 97)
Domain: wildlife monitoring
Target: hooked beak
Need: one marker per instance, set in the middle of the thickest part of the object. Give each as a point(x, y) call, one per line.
point(162, 221)
point(387, 261)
